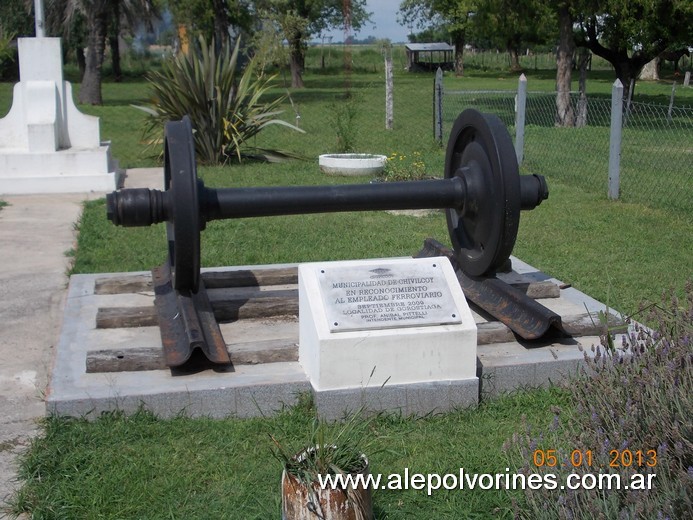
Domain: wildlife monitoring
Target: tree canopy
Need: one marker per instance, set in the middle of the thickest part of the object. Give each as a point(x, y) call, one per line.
point(511, 25)
point(213, 19)
point(454, 15)
point(627, 33)
point(15, 18)
point(630, 34)
point(298, 20)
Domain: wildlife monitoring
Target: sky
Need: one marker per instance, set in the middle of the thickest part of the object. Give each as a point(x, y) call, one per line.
point(384, 23)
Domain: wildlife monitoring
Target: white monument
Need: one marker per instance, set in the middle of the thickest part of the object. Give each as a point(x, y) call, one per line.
point(46, 144)
point(365, 323)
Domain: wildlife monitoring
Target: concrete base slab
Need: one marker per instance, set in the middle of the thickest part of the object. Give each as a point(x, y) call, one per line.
point(416, 399)
point(62, 171)
point(244, 391)
point(505, 367)
point(59, 184)
point(251, 390)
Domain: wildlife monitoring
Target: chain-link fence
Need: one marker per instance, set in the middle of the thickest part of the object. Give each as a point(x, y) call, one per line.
point(656, 147)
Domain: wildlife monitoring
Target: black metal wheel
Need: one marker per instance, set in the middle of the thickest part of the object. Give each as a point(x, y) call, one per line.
point(484, 231)
point(183, 223)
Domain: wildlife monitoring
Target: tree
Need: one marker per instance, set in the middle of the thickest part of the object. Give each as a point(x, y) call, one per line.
point(510, 25)
point(213, 19)
point(630, 34)
point(96, 15)
point(127, 16)
point(298, 20)
point(16, 17)
point(454, 15)
point(15, 20)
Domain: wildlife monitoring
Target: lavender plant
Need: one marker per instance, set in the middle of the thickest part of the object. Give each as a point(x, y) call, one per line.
point(631, 421)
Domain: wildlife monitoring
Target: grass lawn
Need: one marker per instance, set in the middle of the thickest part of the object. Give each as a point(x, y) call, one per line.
point(618, 252)
point(143, 467)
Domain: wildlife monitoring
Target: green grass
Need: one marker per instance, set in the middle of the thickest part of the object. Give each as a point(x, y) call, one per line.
point(619, 253)
point(143, 467)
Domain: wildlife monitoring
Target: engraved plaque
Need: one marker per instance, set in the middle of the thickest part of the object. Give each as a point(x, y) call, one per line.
point(385, 295)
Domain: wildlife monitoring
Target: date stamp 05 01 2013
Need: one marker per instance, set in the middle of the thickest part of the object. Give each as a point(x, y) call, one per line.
point(624, 458)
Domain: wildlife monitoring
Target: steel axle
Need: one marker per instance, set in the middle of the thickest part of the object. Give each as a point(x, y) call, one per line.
point(482, 192)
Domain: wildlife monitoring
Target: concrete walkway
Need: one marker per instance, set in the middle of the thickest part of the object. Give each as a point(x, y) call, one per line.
point(36, 232)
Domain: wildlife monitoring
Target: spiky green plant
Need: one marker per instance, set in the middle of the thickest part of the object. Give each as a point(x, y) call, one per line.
point(226, 110)
point(6, 51)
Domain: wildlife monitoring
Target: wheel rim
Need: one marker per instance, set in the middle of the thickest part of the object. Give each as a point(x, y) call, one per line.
point(183, 224)
point(484, 231)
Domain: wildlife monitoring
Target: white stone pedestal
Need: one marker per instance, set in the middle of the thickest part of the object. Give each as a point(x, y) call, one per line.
point(350, 324)
point(46, 144)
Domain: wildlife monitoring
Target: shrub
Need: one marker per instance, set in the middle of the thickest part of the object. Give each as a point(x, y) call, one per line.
point(632, 413)
point(400, 167)
point(226, 111)
point(8, 56)
point(342, 117)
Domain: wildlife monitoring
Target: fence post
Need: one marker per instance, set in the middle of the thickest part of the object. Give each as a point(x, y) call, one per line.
point(438, 107)
point(389, 117)
point(520, 107)
point(671, 102)
point(615, 139)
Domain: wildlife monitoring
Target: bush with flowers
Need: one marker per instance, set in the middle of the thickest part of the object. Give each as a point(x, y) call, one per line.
point(400, 167)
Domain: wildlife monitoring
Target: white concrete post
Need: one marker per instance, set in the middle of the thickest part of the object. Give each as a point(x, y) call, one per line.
point(687, 78)
point(38, 18)
point(520, 108)
point(615, 139)
point(438, 107)
point(389, 87)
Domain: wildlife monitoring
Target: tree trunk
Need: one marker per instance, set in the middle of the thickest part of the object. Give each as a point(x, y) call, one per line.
point(90, 90)
point(514, 59)
point(583, 62)
point(113, 42)
point(626, 67)
point(564, 67)
point(651, 70)
point(221, 23)
point(296, 63)
point(81, 60)
point(460, 40)
point(626, 73)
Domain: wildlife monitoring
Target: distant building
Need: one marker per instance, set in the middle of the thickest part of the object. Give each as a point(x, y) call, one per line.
point(430, 56)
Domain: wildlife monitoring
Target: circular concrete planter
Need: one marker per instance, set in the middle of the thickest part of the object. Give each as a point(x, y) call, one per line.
point(351, 163)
